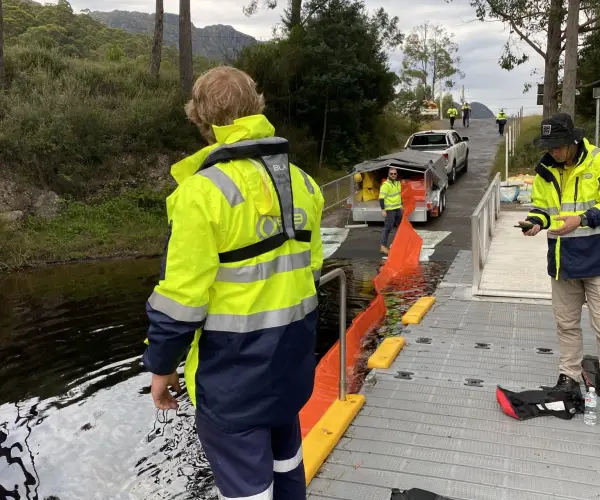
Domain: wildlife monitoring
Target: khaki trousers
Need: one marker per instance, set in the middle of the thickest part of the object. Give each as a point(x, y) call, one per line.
point(568, 297)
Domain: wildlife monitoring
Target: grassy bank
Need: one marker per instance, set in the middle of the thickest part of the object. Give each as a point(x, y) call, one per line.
point(525, 156)
point(132, 224)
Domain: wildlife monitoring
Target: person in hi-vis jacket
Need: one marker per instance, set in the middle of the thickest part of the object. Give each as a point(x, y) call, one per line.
point(390, 200)
point(238, 293)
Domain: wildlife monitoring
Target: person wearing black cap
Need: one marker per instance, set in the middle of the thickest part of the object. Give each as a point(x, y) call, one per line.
point(566, 202)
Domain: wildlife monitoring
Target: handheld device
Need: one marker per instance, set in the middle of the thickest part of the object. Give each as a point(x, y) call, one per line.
point(525, 226)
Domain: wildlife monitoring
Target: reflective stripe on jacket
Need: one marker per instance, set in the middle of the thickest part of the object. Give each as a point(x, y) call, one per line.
point(391, 194)
point(575, 255)
point(238, 282)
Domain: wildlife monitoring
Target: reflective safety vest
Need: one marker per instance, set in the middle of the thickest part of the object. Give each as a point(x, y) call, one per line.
point(391, 194)
point(452, 112)
point(466, 109)
point(501, 116)
point(577, 254)
point(239, 280)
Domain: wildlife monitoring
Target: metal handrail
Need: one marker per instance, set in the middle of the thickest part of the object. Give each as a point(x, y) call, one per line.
point(326, 278)
point(483, 222)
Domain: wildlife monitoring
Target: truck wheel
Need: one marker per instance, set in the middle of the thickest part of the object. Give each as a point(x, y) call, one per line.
point(452, 176)
point(442, 203)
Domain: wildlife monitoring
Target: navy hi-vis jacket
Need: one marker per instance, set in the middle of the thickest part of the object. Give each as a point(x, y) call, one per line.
point(239, 281)
point(560, 192)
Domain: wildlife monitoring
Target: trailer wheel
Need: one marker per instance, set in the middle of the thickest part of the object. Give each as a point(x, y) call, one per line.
point(442, 203)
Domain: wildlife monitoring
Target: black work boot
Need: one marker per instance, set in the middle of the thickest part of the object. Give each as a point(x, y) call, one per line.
point(567, 384)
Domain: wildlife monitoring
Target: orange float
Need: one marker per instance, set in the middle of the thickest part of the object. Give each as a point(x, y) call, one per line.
point(403, 256)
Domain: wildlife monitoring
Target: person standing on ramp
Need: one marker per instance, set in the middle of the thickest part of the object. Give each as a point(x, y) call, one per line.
point(238, 289)
point(452, 114)
point(390, 200)
point(566, 202)
point(501, 120)
point(466, 114)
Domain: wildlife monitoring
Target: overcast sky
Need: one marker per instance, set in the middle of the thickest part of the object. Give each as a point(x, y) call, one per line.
point(480, 44)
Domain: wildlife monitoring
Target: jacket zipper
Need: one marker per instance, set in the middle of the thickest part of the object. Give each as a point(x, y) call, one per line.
point(576, 189)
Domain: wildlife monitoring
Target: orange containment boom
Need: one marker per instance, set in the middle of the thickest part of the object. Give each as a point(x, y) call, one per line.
point(404, 256)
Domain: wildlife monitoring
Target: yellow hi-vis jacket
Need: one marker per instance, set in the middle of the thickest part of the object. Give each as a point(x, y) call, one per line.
point(561, 192)
point(452, 112)
point(239, 279)
point(390, 195)
point(501, 116)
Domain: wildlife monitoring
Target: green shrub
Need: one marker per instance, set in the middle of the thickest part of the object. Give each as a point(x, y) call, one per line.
point(62, 116)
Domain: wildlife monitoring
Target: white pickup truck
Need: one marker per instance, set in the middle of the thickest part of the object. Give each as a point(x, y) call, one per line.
point(448, 143)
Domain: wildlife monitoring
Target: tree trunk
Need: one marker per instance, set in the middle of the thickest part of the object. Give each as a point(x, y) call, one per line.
point(324, 129)
point(570, 75)
point(553, 50)
point(295, 14)
point(186, 62)
point(2, 71)
point(155, 56)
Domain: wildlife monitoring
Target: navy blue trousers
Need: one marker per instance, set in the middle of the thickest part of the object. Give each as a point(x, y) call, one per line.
point(258, 464)
point(392, 220)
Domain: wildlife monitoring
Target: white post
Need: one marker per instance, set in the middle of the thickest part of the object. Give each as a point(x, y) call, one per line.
point(506, 158)
point(513, 136)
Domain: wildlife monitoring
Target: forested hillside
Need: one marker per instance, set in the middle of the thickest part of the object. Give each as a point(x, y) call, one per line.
point(87, 135)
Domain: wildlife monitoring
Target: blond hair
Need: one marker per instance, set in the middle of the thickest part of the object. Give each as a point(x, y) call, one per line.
point(220, 96)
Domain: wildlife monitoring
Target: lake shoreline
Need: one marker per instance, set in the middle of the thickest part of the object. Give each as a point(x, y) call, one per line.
point(122, 256)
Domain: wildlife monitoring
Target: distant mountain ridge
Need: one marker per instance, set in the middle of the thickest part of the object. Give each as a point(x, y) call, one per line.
point(480, 111)
point(218, 42)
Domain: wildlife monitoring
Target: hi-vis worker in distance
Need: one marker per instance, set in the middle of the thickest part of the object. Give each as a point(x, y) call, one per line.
point(501, 120)
point(390, 200)
point(466, 114)
point(566, 202)
point(452, 114)
point(238, 289)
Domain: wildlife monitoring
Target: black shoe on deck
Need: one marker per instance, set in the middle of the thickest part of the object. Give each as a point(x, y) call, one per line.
point(567, 384)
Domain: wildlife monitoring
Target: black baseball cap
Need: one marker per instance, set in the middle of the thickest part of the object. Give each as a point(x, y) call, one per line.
point(557, 131)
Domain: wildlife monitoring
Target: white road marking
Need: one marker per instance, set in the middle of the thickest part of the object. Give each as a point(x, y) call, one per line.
point(332, 238)
point(430, 240)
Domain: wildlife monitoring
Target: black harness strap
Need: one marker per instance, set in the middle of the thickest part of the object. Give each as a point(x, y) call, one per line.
point(262, 247)
point(263, 150)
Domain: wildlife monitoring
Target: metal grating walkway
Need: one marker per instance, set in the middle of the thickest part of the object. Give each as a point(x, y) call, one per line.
point(516, 265)
point(430, 430)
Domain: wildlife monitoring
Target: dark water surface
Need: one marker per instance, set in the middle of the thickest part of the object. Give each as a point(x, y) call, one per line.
point(76, 418)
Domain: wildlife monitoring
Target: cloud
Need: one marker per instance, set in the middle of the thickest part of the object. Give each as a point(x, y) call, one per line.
point(480, 44)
